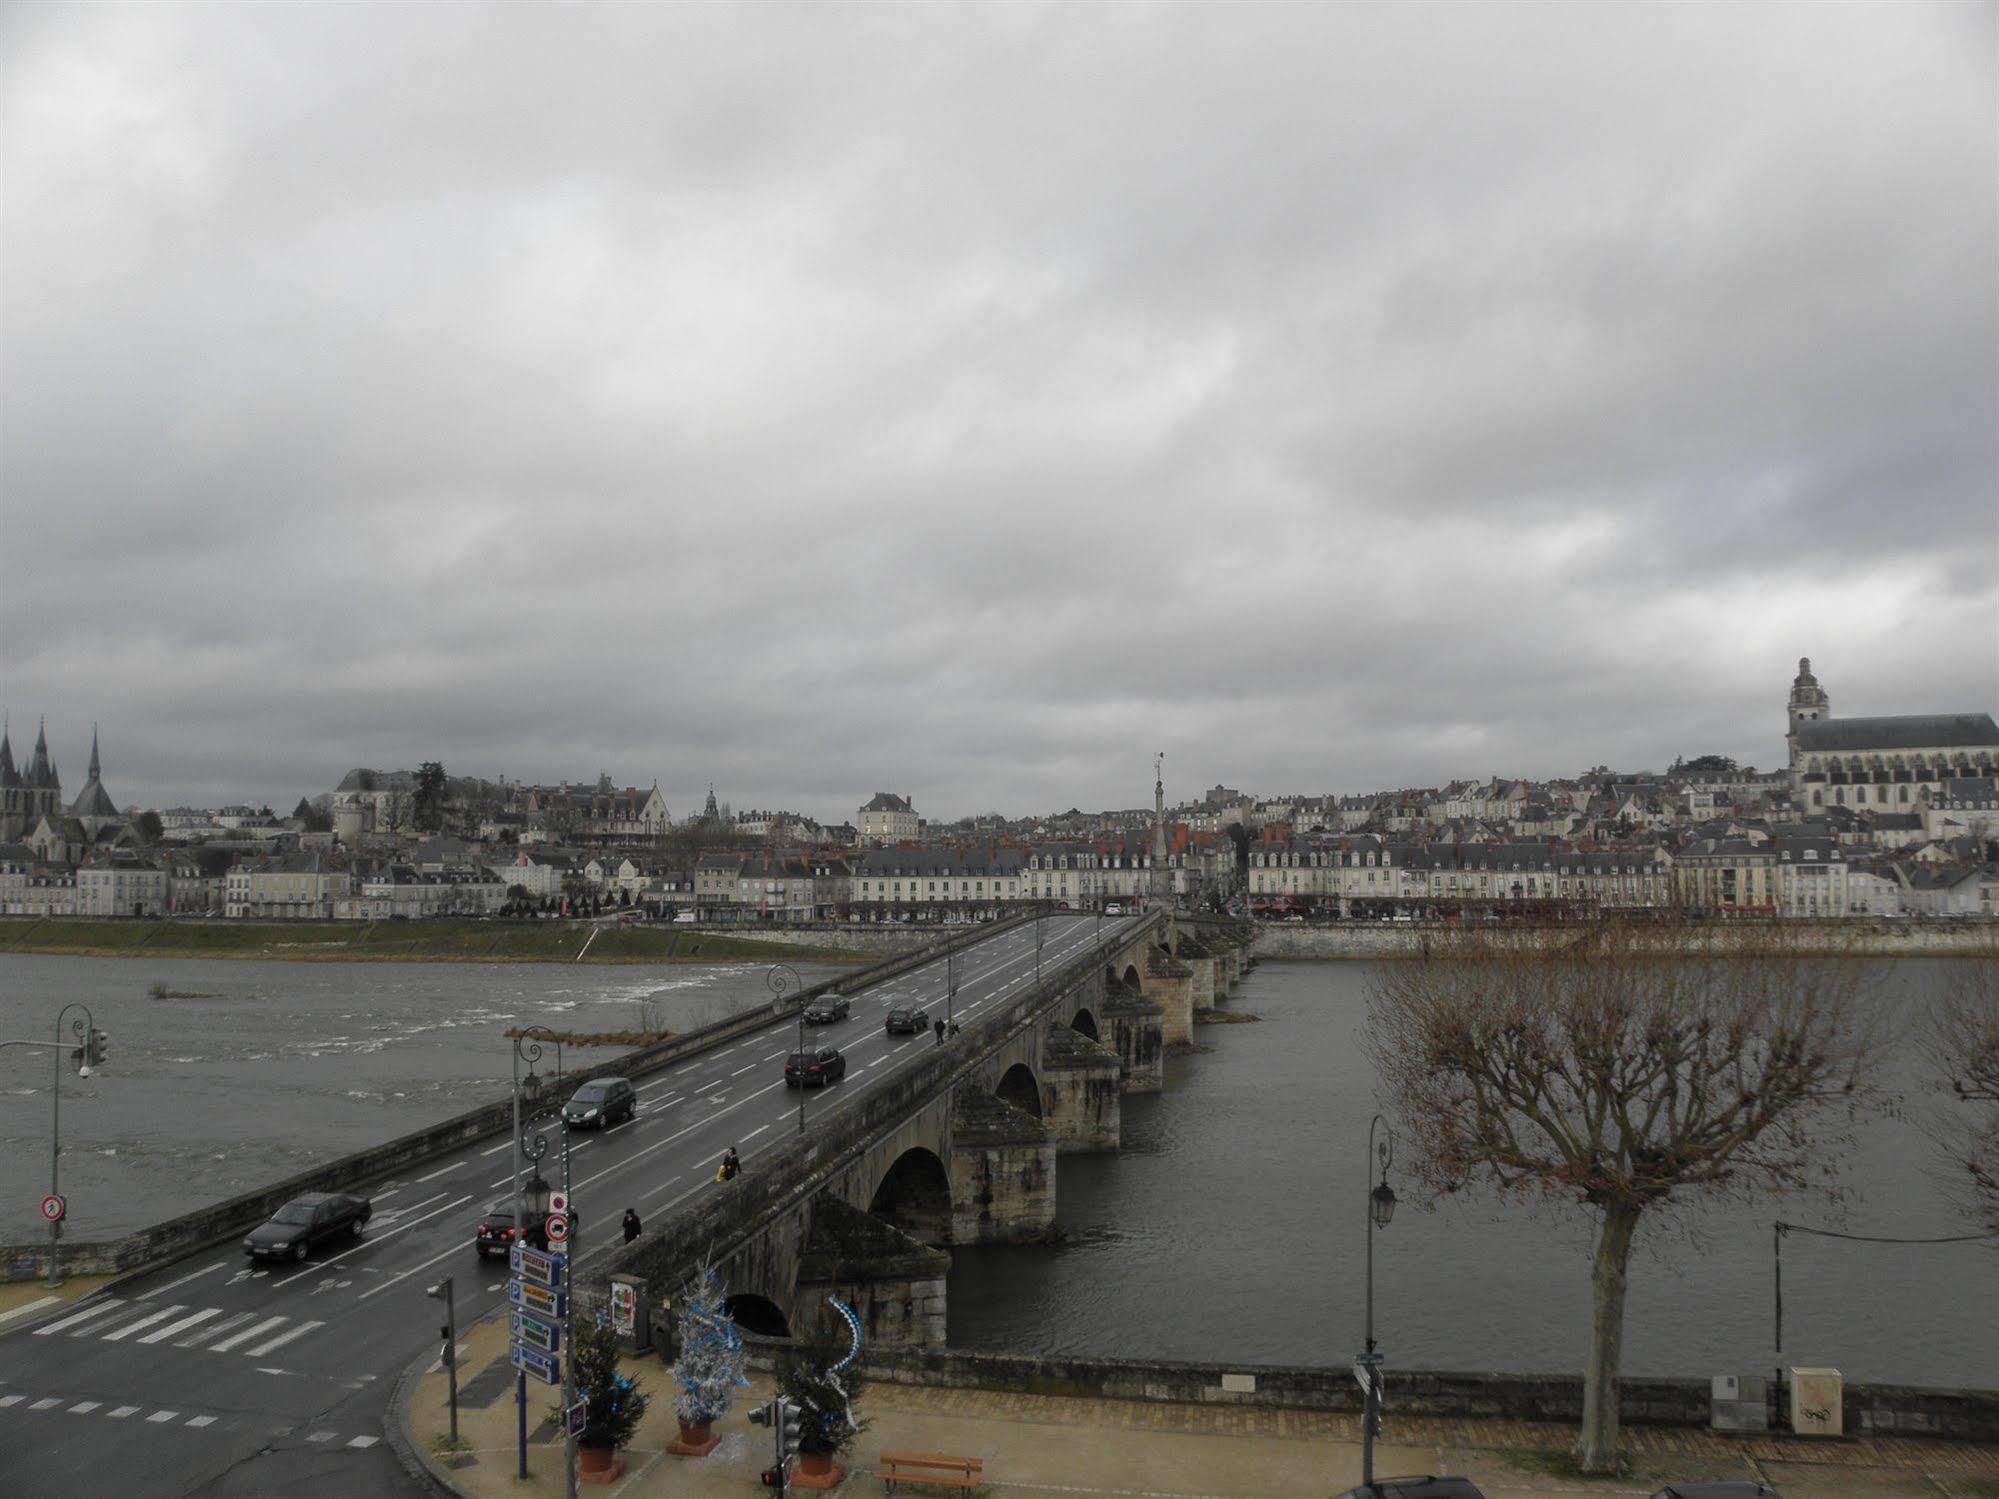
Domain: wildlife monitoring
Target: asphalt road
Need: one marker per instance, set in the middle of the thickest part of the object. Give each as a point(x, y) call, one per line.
point(217, 1377)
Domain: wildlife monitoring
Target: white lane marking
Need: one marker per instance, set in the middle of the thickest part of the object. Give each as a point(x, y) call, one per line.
point(363, 1441)
point(665, 1186)
point(741, 1070)
point(32, 1306)
point(42, 1405)
point(191, 1275)
point(79, 1319)
point(405, 1212)
point(441, 1171)
point(84, 1407)
point(503, 1145)
point(195, 1339)
point(235, 1339)
point(131, 1327)
point(320, 1436)
point(7, 1400)
point(662, 1144)
point(281, 1339)
point(201, 1420)
point(158, 1417)
point(757, 1131)
point(405, 1275)
point(181, 1326)
point(375, 1239)
point(122, 1412)
point(875, 1063)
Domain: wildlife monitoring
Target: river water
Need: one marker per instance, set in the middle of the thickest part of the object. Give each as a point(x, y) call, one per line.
point(1230, 1228)
point(283, 1065)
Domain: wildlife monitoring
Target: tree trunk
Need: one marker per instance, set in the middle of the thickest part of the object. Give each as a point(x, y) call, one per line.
point(1597, 1449)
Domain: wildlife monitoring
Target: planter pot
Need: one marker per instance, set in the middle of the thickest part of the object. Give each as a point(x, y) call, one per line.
point(599, 1464)
point(697, 1439)
point(817, 1470)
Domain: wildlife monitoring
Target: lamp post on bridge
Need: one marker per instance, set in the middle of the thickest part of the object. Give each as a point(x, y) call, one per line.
point(534, 1145)
point(1380, 1208)
point(783, 979)
point(87, 1049)
point(527, 1048)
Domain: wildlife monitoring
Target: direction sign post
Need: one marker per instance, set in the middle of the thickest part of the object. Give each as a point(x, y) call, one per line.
point(549, 1304)
point(546, 1367)
point(530, 1331)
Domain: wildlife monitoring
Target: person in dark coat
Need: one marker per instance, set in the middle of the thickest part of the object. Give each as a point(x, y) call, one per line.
point(631, 1224)
point(940, 1030)
point(730, 1167)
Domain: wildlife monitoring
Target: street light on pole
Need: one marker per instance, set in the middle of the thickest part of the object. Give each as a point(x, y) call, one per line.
point(527, 1048)
point(535, 1147)
point(87, 1050)
point(783, 979)
point(1380, 1209)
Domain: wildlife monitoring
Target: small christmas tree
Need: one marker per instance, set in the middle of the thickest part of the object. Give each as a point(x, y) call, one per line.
point(612, 1403)
point(710, 1367)
point(820, 1373)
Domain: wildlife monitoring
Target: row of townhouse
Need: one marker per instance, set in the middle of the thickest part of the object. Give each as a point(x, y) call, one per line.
point(1365, 873)
point(1804, 876)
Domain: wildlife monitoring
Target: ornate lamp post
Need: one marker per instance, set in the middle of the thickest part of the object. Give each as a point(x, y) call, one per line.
point(1380, 1209)
point(527, 1048)
point(534, 1145)
point(783, 979)
point(88, 1047)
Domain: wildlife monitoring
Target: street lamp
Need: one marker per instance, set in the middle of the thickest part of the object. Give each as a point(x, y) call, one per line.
point(89, 1048)
point(783, 979)
point(950, 991)
point(534, 1146)
point(1380, 1209)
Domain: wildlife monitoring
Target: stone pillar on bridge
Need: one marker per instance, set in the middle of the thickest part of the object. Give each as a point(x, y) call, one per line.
point(1002, 1170)
point(1081, 1096)
point(1132, 1023)
point(894, 1283)
point(1169, 984)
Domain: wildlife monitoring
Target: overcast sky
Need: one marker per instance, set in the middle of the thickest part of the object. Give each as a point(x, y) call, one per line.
point(970, 401)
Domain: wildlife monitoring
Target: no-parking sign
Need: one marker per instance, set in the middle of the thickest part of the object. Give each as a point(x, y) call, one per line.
point(558, 1228)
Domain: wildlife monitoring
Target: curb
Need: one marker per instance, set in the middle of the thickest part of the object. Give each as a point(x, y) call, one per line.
point(402, 1438)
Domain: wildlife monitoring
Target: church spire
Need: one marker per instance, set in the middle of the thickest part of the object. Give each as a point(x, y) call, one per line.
point(94, 772)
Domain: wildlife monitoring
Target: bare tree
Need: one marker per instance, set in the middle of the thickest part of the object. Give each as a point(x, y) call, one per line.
point(1624, 1069)
point(1962, 1046)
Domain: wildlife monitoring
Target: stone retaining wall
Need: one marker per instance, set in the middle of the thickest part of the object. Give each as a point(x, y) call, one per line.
point(1961, 1415)
point(1371, 940)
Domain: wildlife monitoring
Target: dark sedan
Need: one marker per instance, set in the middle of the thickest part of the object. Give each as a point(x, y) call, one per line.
point(814, 1069)
point(1416, 1488)
point(305, 1221)
point(908, 1020)
point(826, 1011)
point(496, 1231)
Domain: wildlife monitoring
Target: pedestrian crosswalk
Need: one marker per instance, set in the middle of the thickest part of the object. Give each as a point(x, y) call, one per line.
point(209, 1328)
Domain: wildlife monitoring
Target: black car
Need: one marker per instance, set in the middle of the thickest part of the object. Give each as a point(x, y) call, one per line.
point(601, 1103)
point(902, 1022)
point(496, 1231)
point(825, 1011)
point(1416, 1488)
point(1726, 1488)
point(305, 1221)
point(814, 1069)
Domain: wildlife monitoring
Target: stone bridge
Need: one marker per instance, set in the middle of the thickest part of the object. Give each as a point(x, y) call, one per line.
point(959, 1147)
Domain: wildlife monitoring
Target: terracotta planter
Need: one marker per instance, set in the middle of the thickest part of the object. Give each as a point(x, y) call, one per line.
point(817, 1470)
point(697, 1439)
point(598, 1464)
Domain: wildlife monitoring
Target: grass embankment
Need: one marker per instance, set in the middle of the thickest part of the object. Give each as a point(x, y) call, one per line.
point(443, 941)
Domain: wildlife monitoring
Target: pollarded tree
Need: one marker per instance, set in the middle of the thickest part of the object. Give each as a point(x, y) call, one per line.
point(1962, 1044)
point(1623, 1069)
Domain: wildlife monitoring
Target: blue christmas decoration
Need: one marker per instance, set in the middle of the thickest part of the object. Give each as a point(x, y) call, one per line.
point(710, 1367)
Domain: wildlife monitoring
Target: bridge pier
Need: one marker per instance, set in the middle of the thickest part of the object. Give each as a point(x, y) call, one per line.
point(1080, 1095)
point(1002, 1171)
point(1169, 984)
point(1135, 1035)
point(893, 1283)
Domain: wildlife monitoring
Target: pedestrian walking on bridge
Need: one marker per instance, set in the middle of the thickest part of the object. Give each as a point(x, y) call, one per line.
point(631, 1224)
point(940, 1030)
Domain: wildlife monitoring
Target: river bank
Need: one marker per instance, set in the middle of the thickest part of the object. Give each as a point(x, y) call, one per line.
point(446, 940)
point(1361, 941)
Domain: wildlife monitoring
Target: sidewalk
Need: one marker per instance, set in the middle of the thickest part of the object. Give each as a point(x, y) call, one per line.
point(1036, 1445)
point(23, 1303)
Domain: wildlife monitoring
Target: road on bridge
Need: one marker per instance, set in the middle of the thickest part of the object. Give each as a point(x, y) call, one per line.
point(216, 1377)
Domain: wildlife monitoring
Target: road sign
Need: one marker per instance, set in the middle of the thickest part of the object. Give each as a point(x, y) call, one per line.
point(531, 1330)
point(558, 1203)
point(53, 1208)
point(545, 1367)
point(558, 1228)
point(550, 1304)
point(576, 1422)
point(533, 1265)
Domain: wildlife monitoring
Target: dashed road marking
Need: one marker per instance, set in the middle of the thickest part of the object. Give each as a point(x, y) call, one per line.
point(122, 1412)
point(44, 1404)
point(321, 1436)
point(201, 1420)
point(84, 1407)
point(362, 1441)
point(160, 1417)
point(7, 1400)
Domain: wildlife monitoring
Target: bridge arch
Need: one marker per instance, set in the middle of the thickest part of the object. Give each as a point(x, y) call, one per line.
point(914, 1195)
point(1086, 1023)
point(1019, 1088)
point(1129, 978)
point(757, 1314)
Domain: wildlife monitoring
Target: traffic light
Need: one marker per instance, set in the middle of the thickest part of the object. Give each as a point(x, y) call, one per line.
point(98, 1047)
point(783, 1417)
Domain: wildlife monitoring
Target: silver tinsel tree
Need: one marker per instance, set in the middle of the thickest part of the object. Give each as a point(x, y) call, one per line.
point(710, 1368)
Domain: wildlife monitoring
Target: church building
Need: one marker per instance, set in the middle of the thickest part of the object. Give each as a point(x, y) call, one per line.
point(1886, 764)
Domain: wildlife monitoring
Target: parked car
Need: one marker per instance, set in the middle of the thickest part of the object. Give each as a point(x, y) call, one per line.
point(600, 1103)
point(496, 1231)
point(1727, 1488)
point(815, 1068)
point(828, 1009)
point(1112, 908)
point(1416, 1488)
point(305, 1221)
point(908, 1019)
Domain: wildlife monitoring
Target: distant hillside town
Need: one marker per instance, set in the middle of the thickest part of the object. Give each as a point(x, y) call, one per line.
point(1871, 817)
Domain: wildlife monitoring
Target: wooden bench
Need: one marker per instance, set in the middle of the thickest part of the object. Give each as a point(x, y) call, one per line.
point(931, 1468)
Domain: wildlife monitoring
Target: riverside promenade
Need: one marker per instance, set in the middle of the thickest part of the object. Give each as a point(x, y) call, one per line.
point(1034, 1445)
